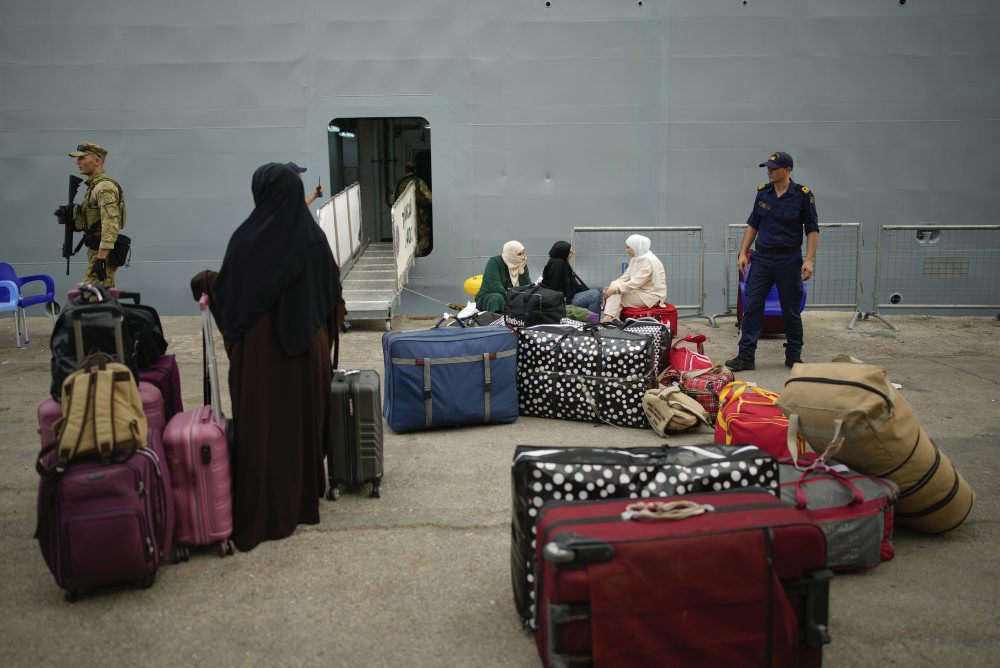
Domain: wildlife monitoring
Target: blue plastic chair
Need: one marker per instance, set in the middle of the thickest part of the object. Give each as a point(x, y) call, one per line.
point(48, 298)
point(8, 302)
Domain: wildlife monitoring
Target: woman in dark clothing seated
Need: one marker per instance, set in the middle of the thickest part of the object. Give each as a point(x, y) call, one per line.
point(559, 275)
point(503, 272)
point(275, 301)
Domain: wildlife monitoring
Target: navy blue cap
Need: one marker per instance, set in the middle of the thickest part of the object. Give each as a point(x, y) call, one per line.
point(299, 170)
point(777, 159)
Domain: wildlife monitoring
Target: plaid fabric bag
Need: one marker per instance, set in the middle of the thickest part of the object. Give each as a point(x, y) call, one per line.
point(704, 385)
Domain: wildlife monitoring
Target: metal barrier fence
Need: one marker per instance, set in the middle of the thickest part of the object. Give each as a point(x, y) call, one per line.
point(600, 252)
point(837, 281)
point(937, 267)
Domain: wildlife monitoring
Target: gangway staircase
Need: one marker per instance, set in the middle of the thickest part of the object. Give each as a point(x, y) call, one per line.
point(370, 287)
point(373, 274)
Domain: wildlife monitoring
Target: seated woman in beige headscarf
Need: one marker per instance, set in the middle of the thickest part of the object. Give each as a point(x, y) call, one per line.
point(643, 284)
point(503, 272)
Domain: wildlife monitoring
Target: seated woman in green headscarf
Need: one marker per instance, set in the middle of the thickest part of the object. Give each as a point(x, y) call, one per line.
point(503, 272)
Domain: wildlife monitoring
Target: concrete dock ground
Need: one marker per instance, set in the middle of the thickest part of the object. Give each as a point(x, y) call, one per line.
point(421, 576)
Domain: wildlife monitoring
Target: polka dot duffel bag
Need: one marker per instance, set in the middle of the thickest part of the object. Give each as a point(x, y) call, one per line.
point(592, 374)
point(543, 475)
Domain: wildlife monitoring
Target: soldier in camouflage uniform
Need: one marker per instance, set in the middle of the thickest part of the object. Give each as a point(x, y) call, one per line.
point(101, 215)
point(425, 239)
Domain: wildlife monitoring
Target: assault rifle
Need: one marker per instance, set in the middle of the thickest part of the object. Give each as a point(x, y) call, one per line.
point(64, 215)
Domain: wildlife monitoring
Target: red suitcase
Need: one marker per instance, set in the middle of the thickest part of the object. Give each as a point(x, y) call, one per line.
point(664, 312)
point(197, 447)
point(743, 583)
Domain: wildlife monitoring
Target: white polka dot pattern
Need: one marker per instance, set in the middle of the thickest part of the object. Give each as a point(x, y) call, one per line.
point(590, 375)
point(542, 475)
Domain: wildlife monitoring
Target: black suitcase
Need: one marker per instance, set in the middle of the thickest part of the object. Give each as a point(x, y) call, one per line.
point(354, 442)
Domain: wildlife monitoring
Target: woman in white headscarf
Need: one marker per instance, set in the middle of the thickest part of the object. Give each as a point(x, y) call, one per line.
point(503, 272)
point(643, 284)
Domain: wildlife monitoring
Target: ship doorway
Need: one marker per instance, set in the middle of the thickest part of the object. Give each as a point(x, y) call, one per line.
point(383, 155)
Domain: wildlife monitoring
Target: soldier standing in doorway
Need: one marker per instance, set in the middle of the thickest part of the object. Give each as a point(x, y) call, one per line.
point(425, 239)
point(101, 216)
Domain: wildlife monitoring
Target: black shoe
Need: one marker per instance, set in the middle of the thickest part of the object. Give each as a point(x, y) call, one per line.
point(741, 363)
point(792, 360)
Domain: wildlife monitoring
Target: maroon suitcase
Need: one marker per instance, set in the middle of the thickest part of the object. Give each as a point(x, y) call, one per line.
point(165, 375)
point(197, 446)
point(742, 584)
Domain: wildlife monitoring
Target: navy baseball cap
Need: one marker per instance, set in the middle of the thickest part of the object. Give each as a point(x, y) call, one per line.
point(777, 159)
point(299, 170)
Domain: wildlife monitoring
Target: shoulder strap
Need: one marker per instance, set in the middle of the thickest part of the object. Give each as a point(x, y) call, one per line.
point(76, 404)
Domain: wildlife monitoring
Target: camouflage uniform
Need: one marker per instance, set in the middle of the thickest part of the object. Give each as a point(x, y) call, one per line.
point(425, 237)
point(103, 205)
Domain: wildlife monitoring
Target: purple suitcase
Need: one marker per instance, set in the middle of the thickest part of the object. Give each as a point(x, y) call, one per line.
point(101, 524)
point(166, 376)
point(197, 447)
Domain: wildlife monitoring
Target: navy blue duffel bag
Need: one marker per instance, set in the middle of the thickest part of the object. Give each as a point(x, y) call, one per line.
point(449, 377)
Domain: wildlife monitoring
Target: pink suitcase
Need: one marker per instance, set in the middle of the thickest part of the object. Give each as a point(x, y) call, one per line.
point(50, 410)
point(197, 447)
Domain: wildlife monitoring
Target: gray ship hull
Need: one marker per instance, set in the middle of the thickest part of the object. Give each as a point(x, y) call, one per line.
point(541, 119)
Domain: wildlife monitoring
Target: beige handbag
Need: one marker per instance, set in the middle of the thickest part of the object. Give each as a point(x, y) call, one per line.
point(669, 409)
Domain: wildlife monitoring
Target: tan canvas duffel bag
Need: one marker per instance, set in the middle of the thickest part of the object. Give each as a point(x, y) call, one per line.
point(668, 409)
point(851, 412)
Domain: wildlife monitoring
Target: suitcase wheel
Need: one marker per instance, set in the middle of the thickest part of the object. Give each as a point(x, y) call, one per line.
point(181, 554)
point(333, 493)
point(376, 492)
point(225, 548)
point(71, 595)
point(148, 581)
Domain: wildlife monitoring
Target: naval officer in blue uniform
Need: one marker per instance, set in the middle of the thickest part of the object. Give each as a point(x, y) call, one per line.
point(783, 213)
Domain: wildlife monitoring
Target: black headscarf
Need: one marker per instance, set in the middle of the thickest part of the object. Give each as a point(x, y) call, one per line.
point(558, 275)
point(278, 260)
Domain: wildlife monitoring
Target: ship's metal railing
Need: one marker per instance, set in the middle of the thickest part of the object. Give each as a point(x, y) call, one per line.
point(340, 219)
point(837, 281)
point(404, 234)
point(600, 255)
point(933, 266)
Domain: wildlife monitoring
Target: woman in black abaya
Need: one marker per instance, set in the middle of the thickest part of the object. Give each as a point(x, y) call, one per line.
point(275, 301)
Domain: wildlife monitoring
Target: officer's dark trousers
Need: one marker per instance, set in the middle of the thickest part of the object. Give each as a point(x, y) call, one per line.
point(766, 270)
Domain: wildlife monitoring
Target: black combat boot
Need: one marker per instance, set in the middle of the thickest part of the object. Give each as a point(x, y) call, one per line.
point(741, 363)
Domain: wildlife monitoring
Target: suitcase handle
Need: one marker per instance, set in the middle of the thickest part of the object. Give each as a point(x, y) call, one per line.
point(211, 368)
point(665, 510)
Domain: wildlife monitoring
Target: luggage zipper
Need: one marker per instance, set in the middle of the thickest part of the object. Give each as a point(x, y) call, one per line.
point(161, 508)
point(851, 383)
